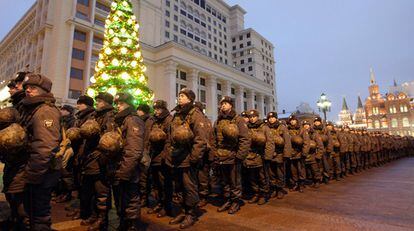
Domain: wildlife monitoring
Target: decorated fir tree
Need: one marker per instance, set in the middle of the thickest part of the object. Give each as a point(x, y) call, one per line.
point(120, 67)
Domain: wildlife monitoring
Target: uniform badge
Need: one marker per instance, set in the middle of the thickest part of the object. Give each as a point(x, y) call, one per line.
point(135, 129)
point(201, 124)
point(48, 123)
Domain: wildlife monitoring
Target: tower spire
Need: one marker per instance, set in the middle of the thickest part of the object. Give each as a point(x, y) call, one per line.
point(359, 102)
point(372, 76)
point(395, 83)
point(344, 105)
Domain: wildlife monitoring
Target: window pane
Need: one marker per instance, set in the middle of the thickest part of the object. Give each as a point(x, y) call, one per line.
point(79, 35)
point(76, 73)
point(78, 54)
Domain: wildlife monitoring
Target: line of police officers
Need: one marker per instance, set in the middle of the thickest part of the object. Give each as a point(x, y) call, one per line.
point(164, 159)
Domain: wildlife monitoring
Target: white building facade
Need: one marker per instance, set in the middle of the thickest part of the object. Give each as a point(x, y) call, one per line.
point(199, 44)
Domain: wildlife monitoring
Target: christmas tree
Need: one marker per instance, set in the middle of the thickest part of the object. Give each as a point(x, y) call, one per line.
point(120, 67)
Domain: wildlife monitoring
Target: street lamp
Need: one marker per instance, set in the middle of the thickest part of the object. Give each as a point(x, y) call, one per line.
point(324, 104)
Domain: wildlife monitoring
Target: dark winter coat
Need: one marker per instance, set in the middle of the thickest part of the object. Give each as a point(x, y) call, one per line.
point(93, 160)
point(157, 151)
point(257, 153)
point(132, 129)
point(226, 151)
point(41, 119)
point(184, 155)
point(316, 135)
point(280, 130)
point(299, 151)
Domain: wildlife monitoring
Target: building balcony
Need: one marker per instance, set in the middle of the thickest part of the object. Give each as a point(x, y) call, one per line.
point(101, 12)
point(96, 47)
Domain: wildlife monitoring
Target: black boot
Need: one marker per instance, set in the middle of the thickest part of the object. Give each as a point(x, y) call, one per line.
point(177, 220)
point(156, 209)
point(87, 222)
point(203, 202)
point(263, 200)
point(189, 220)
point(133, 225)
point(317, 184)
point(101, 224)
point(280, 194)
point(225, 206)
point(254, 199)
point(235, 207)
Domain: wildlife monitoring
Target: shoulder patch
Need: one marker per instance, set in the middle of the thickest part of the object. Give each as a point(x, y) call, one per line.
point(135, 129)
point(48, 123)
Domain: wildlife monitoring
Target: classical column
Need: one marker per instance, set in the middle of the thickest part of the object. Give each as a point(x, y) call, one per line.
point(239, 99)
point(88, 57)
point(250, 99)
point(260, 104)
point(192, 79)
point(269, 103)
point(226, 88)
point(211, 107)
point(93, 7)
point(167, 92)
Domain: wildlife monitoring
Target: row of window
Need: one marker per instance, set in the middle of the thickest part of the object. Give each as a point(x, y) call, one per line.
point(221, 35)
point(241, 45)
point(215, 13)
point(181, 77)
point(392, 109)
point(84, 2)
point(192, 36)
point(394, 123)
point(240, 37)
point(191, 17)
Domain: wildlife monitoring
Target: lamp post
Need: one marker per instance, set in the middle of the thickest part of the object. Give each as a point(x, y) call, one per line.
point(324, 105)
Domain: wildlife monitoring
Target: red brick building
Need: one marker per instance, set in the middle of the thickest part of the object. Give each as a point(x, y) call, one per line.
point(392, 113)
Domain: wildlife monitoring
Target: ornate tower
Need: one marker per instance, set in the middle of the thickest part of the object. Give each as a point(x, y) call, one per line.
point(345, 115)
point(360, 119)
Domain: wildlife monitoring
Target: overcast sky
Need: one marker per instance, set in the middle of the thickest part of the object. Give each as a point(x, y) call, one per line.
point(320, 45)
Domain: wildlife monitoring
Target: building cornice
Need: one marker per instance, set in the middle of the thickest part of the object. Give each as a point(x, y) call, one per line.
point(248, 81)
point(18, 27)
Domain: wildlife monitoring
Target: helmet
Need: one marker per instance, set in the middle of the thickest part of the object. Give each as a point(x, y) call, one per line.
point(90, 128)
point(231, 131)
point(279, 141)
point(8, 116)
point(73, 134)
point(110, 142)
point(258, 138)
point(297, 140)
point(12, 138)
point(157, 135)
point(182, 135)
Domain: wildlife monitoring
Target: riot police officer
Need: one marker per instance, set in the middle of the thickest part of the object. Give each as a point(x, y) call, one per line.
point(232, 143)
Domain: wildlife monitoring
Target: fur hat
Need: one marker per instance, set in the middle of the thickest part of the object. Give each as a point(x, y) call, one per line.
point(292, 117)
point(227, 99)
point(124, 97)
point(20, 76)
point(68, 108)
point(144, 108)
point(84, 99)
point(317, 118)
point(37, 80)
point(189, 93)
point(254, 112)
point(161, 104)
point(108, 98)
point(271, 114)
point(244, 114)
